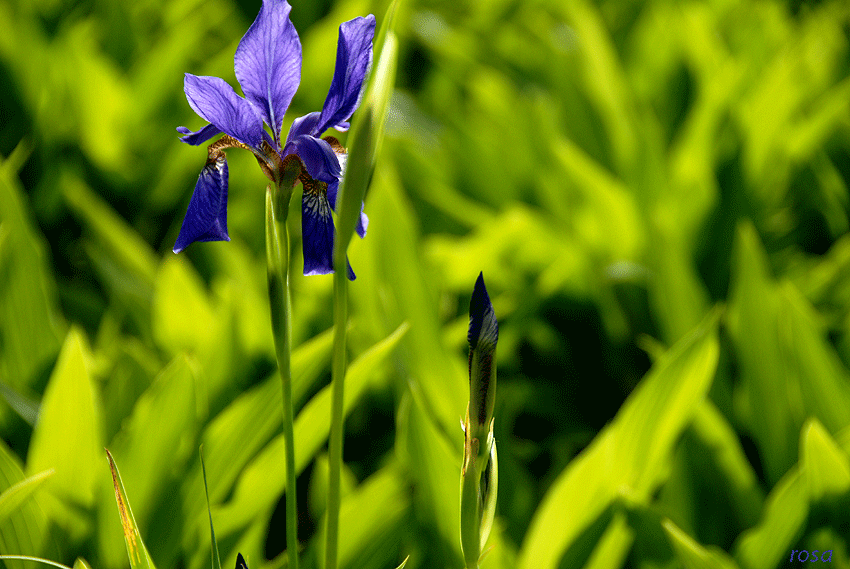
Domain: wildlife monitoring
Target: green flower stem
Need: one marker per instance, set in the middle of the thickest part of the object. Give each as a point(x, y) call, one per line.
point(364, 137)
point(338, 391)
point(478, 489)
point(277, 257)
point(469, 508)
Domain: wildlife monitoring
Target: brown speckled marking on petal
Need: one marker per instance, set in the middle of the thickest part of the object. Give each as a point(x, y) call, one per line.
point(313, 187)
point(337, 147)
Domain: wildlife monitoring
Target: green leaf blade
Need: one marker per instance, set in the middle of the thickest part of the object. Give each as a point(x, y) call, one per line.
point(628, 458)
point(136, 550)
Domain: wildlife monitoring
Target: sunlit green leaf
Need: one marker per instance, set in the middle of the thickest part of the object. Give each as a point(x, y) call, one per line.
point(754, 308)
point(185, 320)
point(232, 439)
point(158, 437)
point(30, 324)
point(367, 133)
point(781, 524)
point(311, 432)
point(24, 406)
point(370, 519)
point(24, 531)
point(692, 554)
point(11, 498)
point(825, 466)
point(630, 456)
point(68, 436)
point(81, 563)
point(136, 550)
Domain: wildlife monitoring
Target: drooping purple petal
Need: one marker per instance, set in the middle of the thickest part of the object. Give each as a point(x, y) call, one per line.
point(317, 232)
point(198, 137)
point(216, 102)
point(268, 62)
point(362, 221)
point(333, 189)
point(318, 157)
point(206, 218)
point(353, 59)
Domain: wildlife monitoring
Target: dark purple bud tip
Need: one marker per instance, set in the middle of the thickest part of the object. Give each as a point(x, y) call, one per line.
point(240, 562)
point(483, 327)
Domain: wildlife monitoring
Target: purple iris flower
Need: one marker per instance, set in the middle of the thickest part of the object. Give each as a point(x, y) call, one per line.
point(268, 68)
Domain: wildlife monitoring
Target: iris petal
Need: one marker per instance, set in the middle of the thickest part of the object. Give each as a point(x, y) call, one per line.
point(198, 137)
point(353, 59)
point(317, 231)
point(216, 102)
point(362, 224)
point(268, 62)
point(333, 189)
point(206, 218)
point(303, 125)
point(318, 157)
point(483, 328)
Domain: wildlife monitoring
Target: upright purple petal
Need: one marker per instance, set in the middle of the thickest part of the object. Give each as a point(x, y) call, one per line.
point(206, 218)
point(268, 62)
point(198, 137)
point(216, 102)
point(353, 59)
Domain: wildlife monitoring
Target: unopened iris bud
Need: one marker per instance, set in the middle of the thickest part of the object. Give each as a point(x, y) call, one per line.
point(479, 473)
point(482, 337)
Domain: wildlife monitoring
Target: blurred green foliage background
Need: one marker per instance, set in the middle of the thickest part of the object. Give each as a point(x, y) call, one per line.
point(656, 192)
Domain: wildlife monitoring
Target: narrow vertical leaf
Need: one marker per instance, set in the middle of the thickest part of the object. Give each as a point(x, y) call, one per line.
point(24, 530)
point(30, 323)
point(136, 550)
point(12, 498)
point(754, 310)
point(216, 559)
point(366, 134)
point(826, 466)
point(783, 520)
point(692, 554)
point(631, 455)
point(68, 434)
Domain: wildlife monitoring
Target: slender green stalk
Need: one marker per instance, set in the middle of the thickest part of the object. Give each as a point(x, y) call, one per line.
point(338, 392)
point(470, 518)
point(277, 257)
point(365, 136)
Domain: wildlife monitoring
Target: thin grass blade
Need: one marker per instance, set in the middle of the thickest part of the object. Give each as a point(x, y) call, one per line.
point(216, 558)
